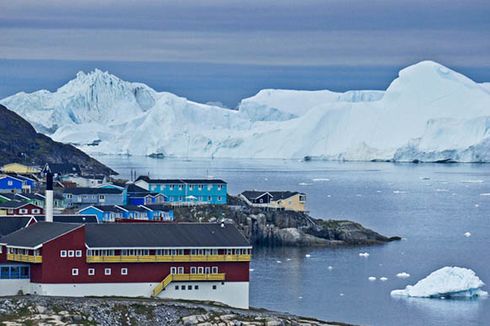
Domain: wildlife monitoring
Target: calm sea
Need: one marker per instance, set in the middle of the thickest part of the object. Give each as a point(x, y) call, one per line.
point(430, 205)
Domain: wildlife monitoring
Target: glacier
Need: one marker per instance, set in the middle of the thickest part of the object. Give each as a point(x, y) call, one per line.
point(429, 113)
point(447, 282)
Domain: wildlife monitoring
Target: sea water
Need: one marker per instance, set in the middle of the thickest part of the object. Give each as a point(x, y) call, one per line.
point(431, 206)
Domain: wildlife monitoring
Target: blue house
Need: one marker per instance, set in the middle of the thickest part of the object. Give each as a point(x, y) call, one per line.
point(187, 191)
point(104, 213)
point(159, 213)
point(82, 197)
point(138, 196)
point(10, 183)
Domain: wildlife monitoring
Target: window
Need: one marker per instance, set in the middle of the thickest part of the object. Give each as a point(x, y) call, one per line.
point(107, 271)
point(10, 183)
point(63, 253)
point(199, 187)
point(180, 270)
point(207, 270)
point(23, 211)
point(214, 287)
point(171, 187)
point(91, 271)
point(173, 270)
point(78, 253)
point(69, 196)
point(101, 197)
point(71, 253)
point(180, 187)
point(214, 270)
point(191, 187)
point(219, 187)
point(124, 271)
point(200, 270)
point(182, 287)
point(74, 271)
point(209, 198)
point(189, 287)
point(193, 270)
point(219, 198)
point(36, 211)
point(196, 287)
point(176, 287)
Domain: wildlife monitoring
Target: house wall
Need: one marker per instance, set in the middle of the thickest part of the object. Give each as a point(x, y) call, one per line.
point(94, 199)
point(9, 184)
point(203, 192)
point(292, 203)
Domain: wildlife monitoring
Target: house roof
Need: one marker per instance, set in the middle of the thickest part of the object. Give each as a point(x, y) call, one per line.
point(11, 224)
point(276, 195)
point(15, 204)
point(74, 218)
point(152, 235)
point(182, 181)
point(92, 191)
point(105, 208)
point(37, 234)
point(133, 208)
point(9, 196)
point(64, 168)
point(132, 188)
point(158, 207)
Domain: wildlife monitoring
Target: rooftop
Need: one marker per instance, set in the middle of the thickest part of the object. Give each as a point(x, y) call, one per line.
point(92, 191)
point(37, 234)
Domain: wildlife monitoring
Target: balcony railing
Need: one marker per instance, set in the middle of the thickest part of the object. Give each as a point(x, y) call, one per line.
point(168, 258)
point(25, 258)
point(185, 278)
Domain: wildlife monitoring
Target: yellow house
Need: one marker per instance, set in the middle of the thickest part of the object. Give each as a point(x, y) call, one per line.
point(19, 168)
point(286, 200)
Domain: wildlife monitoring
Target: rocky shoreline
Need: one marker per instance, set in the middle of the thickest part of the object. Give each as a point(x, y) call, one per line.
point(38, 310)
point(283, 228)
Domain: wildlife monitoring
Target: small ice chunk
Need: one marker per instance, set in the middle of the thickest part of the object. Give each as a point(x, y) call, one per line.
point(364, 254)
point(472, 181)
point(447, 282)
point(329, 196)
point(251, 269)
point(300, 297)
point(330, 268)
point(403, 275)
point(320, 179)
point(358, 195)
point(372, 278)
point(278, 261)
point(467, 234)
point(485, 194)
point(399, 192)
point(383, 279)
point(341, 294)
point(477, 205)
point(304, 184)
point(442, 190)
point(307, 255)
point(288, 259)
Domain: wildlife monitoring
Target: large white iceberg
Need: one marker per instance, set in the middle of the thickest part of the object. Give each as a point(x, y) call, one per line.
point(447, 282)
point(429, 113)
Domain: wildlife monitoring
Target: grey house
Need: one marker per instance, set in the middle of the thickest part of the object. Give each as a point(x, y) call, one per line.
point(82, 197)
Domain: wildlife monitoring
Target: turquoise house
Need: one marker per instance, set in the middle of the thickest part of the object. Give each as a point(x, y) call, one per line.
point(187, 191)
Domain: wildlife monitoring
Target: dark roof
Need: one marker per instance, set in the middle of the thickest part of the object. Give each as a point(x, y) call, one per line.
point(148, 235)
point(9, 196)
point(38, 233)
point(132, 188)
point(92, 191)
point(158, 207)
point(105, 208)
point(13, 204)
point(30, 196)
point(276, 195)
point(133, 208)
point(70, 218)
point(10, 224)
point(177, 181)
point(64, 168)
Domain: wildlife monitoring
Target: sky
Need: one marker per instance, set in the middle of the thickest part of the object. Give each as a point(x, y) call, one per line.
point(226, 50)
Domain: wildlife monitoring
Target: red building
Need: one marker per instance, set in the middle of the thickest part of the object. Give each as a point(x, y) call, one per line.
point(20, 208)
point(180, 261)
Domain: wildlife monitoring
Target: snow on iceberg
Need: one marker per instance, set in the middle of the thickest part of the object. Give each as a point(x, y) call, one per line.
point(447, 282)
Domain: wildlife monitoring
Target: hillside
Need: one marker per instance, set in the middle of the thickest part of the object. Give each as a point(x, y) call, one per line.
point(19, 142)
point(430, 113)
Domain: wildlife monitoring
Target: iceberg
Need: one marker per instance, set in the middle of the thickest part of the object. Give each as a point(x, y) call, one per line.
point(447, 282)
point(429, 113)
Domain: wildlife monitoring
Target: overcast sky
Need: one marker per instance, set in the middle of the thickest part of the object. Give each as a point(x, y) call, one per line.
point(224, 50)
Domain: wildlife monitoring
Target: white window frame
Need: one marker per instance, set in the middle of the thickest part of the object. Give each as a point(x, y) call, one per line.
point(124, 271)
point(173, 270)
point(107, 271)
point(74, 272)
point(36, 211)
point(214, 270)
point(78, 253)
point(10, 183)
point(180, 270)
point(200, 270)
point(71, 253)
point(91, 271)
point(193, 270)
point(63, 253)
point(23, 211)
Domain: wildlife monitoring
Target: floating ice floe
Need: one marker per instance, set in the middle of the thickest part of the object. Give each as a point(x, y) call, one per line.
point(307, 255)
point(372, 278)
point(304, 184)
point(441, 190)
point(477, 205)
point(288, 259)
point(300, 297)
point(467, 234)
point(403, 275)
point(447, 282)
point(330, 268)
point(329, 196)
point(320, 179)
point(399, 192)
point(278, 261)
point(364, 254)
point(251, 269)
point(341, 294)
point(383, 279)
point(472, 181)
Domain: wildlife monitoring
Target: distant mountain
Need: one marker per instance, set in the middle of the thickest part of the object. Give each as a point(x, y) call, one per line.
point(429, 113)
point(19, 142)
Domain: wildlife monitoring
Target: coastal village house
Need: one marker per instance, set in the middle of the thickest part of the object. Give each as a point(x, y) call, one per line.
point(16, 183)
point(111, 213)
point(187, 191)
point(82, 197)
point(286, 200)
point(37, 199)
point(18, 168)
point(86, 181)
point(193, 261)
point(139, 196)
point(19, 208)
